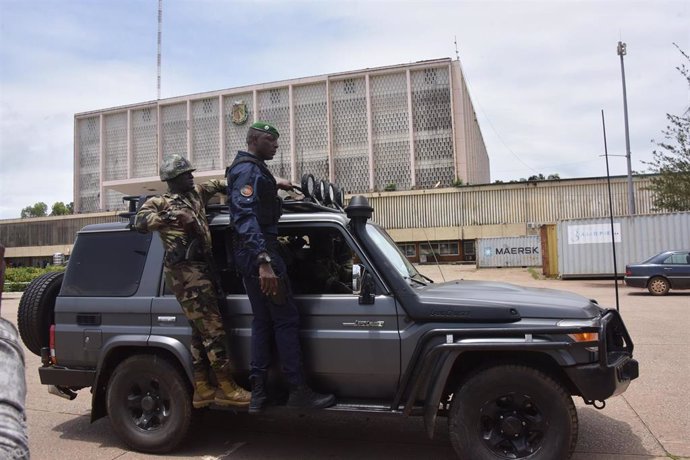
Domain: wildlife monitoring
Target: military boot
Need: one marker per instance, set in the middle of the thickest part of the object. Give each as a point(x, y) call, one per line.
point(204, 392)
point(303, 397)
point(230, 393)
point(259, 396)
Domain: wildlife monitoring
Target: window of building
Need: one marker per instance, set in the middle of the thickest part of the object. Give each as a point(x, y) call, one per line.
point(349, 86)
point(430, 76)
point(274, 96)
point(440, 248)
point(468, 250)
point(409, 249)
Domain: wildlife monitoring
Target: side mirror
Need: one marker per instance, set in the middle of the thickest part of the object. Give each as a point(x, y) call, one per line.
point(357, 278)
point(366, 288)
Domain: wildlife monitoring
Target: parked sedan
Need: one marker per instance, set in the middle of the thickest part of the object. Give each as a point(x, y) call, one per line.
point(666, 270)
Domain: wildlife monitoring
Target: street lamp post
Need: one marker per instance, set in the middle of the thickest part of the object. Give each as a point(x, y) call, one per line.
point(631, 193)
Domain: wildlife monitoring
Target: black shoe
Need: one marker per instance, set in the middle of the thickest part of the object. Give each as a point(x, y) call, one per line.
point(303, 397)
point(259, 396)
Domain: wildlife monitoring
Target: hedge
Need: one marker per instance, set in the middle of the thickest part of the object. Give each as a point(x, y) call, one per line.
point(17, 278)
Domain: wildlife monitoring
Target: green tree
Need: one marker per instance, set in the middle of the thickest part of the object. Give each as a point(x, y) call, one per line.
point(39, 209)
point(671, 161)
point(60, 209)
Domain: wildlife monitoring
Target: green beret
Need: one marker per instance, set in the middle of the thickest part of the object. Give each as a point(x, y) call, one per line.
point(265, 128)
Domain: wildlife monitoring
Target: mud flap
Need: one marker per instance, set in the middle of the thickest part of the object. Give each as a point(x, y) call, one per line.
point(437, 380)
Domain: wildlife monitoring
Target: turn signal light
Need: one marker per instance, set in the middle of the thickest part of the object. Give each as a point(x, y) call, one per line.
point(585, 337)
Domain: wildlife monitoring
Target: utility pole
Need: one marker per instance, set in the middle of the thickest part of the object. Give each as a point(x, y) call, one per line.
point(622, 51)
point(160, 25)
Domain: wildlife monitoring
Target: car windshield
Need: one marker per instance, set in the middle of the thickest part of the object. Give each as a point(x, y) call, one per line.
point(393, 254)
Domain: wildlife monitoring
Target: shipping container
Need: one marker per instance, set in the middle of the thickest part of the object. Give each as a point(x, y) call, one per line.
point(517, 251)
point(585, 249)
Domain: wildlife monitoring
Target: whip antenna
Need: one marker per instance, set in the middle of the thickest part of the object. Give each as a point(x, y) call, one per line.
point(608, 182)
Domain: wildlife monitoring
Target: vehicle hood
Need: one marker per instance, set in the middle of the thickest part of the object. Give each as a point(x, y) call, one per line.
point(493, 301)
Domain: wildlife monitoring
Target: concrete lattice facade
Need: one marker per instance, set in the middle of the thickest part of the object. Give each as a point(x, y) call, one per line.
point(409, 126)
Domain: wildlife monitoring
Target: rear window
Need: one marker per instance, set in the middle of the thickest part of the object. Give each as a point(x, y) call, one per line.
point(106, 264)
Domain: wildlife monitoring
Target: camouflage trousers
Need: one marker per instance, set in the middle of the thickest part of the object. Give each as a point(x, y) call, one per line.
point(195, 290)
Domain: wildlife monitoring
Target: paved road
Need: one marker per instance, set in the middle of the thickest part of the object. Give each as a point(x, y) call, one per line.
point(651, 420)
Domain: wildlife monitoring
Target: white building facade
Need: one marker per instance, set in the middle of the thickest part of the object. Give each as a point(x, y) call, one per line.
point(402, 127)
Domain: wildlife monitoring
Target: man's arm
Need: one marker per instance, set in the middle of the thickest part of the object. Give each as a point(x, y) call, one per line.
point(284, 184)
point(208, 190)
point(152, 215)
point(13, 433)
point(244, 207)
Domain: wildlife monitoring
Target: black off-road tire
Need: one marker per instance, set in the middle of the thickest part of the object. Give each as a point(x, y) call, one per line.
point(512, 411)
point(37, 311)
point(658, 286)
point(149, 404)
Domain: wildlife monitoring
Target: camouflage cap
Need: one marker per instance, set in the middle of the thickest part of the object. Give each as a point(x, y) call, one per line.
point(173, 166)
point(265, 127)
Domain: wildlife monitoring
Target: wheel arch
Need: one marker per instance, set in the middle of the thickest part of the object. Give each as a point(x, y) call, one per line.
point(456, 366)
point(118, 350)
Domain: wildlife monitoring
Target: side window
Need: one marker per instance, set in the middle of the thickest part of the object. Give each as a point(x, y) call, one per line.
point(106, 264)
point(677, 259)
point(319, 260)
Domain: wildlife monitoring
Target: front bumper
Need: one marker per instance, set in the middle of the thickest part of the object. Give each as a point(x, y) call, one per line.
point(616, 367)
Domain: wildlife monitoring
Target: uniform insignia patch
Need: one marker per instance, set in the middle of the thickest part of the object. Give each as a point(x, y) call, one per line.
point(247, 190)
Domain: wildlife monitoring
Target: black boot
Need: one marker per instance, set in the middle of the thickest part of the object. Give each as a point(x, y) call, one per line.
point(259, 396)
point(303, 397)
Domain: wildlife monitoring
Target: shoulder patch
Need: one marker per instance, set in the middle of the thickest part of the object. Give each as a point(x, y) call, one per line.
point(247, 190)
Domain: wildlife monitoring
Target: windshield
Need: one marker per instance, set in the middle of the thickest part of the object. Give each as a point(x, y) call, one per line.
point(392, 252)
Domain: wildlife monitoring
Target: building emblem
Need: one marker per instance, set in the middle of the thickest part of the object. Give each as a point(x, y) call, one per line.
point(239, 112)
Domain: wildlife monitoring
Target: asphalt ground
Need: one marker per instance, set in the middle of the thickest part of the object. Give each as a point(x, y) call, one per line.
point(651, 420)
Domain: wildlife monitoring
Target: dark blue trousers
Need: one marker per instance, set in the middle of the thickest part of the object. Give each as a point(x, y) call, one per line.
point(273, 322)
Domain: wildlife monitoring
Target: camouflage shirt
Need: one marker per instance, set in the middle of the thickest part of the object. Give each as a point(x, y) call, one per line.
point(160, 213)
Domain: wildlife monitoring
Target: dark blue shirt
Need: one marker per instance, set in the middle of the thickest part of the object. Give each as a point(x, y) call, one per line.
point(254, 203)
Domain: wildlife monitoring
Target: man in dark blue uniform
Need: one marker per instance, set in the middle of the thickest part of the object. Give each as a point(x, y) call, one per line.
point(255, 209)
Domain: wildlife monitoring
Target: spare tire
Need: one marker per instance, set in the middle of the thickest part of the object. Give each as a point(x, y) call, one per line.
point(36, 310)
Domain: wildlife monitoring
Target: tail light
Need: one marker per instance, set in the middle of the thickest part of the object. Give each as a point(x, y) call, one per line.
point(53, 358)
point(628, 272)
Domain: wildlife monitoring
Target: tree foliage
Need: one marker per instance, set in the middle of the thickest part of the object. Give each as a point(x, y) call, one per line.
point(671, 161)
point(39, 209)
point(61, 209)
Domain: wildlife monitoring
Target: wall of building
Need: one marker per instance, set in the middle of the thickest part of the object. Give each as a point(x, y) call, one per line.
point(404, 127)
point(445, 221)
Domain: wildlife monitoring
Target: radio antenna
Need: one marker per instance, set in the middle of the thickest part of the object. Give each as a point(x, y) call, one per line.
point(613, 239)
point(457, 53)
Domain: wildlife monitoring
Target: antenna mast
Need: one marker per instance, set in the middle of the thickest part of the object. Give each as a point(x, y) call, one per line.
point(160, 24)
point(457, 54)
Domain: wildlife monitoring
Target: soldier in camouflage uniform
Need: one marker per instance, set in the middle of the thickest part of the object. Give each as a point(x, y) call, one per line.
point(180, 219)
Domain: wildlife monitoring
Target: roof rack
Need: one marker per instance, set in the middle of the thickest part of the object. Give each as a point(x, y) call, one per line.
point(326, 197)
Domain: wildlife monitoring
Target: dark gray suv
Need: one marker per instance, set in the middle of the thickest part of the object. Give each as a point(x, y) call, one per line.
point(500, 362)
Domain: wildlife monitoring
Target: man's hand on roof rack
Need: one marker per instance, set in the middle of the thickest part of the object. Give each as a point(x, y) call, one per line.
point(284, 184)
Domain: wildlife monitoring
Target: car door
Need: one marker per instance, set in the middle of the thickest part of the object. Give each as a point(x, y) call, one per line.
point(677, 269)
point(350, 349)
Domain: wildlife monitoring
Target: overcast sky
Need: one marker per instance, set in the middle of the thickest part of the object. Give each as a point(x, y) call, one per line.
point(539, 72)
